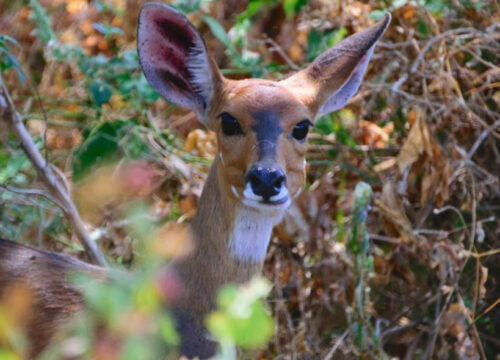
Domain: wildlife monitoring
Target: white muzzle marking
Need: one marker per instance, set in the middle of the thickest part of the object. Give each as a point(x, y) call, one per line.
point(254, 224)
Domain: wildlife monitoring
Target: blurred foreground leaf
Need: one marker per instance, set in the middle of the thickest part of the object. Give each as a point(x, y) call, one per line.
point(7, 60)
point(242, 318)
point(43, 29)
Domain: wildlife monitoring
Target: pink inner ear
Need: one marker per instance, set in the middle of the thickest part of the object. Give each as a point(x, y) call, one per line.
point(166, 47)
point(173, 49)
point(179, 35)
point(174, 58)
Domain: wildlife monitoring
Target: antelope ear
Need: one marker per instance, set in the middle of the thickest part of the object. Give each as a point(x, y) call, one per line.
point(330, 81)
point(174, 59)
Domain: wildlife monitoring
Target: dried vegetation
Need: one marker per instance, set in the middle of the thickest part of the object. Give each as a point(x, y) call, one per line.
point(423, 131)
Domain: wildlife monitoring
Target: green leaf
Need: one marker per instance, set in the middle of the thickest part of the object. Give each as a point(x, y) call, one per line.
point(10, 166)
point(6, 354)
point(189, 6)
point(43, 28)
point(219, 32)
point(377, 14)
point(362, 196)
point(101, 92)
point(437, 7)
point(5, 39)
point(293, 7)
point(169, 332)
point(99, 147)
point(396, 4)
point(7, 61)
point(242, 318)
point(337, 36)
point(321, 41)
point(253, 8)
point(475, 4)
point(107, 30)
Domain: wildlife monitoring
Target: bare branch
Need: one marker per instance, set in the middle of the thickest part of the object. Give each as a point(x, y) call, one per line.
point(38, 192)
point(14, 121)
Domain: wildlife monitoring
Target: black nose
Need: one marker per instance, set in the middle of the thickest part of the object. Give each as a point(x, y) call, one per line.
point(266, 182)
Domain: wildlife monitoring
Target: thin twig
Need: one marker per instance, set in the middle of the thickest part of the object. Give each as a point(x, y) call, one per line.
point(12, 118)
point(398, 329)
point(38, 192)
point(277, 48)
point(336, 345)
point(434, 40)
point(478, 142)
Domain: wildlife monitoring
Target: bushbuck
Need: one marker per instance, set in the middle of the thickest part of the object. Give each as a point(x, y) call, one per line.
point(261, 127)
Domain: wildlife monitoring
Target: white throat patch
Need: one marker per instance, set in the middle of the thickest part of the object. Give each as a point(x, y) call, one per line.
point(251, 234)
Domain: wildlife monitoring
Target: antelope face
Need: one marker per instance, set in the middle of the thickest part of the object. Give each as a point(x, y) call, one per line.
point(261, 130)
point(261, 125)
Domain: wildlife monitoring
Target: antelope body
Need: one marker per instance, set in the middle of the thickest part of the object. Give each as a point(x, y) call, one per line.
point(261, 128)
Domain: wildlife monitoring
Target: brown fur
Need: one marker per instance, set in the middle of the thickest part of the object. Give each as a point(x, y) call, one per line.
point(43, 273)
point(241, 99)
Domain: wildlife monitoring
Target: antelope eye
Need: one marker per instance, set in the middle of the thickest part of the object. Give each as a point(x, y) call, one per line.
point(300, 130)
point(230, 125)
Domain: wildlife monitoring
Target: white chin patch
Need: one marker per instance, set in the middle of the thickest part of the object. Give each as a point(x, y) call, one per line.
point(272, 211)
point(254, 224)
point(251, 235)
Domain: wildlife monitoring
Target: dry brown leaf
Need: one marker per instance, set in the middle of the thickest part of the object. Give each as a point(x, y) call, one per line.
point(417, 142)
point(188, 205)
point(76, 6)
point(482, 282)
point(15, 307)
point(408, 11)
point(385, 165)
point(294, 225)
point(171, 240)
point(496, 97)
point(108, 185)
point(435, 178)
point(436, 169)
point(455, 323)
point(382, 268)
point(202, 143)
point(395, 223)
point(107, 346)
point(446, 259)
point(371, 134)
point(63, 138)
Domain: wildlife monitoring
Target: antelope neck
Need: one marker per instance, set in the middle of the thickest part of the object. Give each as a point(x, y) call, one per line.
point(210, 266)
point(237, 232)
point(230, 244)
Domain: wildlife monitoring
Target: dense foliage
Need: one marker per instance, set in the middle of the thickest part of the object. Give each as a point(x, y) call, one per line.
point(391, 253)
